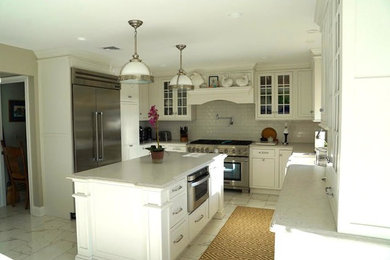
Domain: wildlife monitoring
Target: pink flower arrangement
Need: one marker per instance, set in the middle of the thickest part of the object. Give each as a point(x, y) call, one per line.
point(153, 115)
point(153, 120)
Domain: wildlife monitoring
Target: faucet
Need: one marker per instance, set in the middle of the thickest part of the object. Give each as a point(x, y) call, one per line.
point(225, 117)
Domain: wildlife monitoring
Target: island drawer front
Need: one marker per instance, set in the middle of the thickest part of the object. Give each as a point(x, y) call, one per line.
point(263, 153)
point(178, 209)
point(198, 220)
point(179, 238)
point(178, 188)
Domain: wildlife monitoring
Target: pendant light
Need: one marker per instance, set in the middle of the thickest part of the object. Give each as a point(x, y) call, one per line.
point(135, 71)
point(181, 80)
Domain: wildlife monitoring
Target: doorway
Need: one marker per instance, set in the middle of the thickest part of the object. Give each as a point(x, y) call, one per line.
point(14, 126)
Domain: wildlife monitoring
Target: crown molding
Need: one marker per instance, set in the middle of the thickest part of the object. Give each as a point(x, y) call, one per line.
point(52, 53)
point(316, 51)
point(263, 67)
point(319, 12)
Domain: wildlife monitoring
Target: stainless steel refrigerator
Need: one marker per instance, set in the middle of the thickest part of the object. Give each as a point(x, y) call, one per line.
point(96, 119)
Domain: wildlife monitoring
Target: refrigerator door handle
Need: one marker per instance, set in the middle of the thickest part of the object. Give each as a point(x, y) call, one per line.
point(101, 158)
point(96, 137)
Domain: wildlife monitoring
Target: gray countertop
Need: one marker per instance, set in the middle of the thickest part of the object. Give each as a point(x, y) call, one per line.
point(142, 172)
point(296, 147)
point(303, 205)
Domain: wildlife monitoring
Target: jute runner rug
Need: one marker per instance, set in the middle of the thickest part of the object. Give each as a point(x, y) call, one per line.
point(245, 235)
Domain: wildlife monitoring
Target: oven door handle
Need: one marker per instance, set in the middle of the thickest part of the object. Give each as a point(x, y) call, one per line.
point(193, 184)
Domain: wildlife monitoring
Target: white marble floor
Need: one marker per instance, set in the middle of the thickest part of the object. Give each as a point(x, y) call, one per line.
point(23, 236)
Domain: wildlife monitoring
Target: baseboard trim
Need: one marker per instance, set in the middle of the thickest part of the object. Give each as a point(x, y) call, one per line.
point(37, 211)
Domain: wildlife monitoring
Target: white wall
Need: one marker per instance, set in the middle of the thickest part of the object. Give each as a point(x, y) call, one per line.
point(19, 61)
point(244, 127)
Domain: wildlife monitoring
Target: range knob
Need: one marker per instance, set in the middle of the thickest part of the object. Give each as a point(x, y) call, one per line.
point(225, 151)
point(207, 150)
point(233, 151)
point(189, 149)
point(197, 150)
point(193, 149)
point(202, 150)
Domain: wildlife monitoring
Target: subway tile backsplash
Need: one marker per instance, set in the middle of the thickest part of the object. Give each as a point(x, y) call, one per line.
point(244, 127)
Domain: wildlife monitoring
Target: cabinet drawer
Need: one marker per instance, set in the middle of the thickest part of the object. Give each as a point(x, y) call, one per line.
point(198, 220)
point(178, 209)
point(263, 153)
point(178, 188)
point(179, 238)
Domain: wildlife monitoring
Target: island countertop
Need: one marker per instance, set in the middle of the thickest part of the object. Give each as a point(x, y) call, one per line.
point(143, 172)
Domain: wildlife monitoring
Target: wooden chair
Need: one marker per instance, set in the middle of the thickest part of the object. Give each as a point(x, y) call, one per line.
point(17, 170)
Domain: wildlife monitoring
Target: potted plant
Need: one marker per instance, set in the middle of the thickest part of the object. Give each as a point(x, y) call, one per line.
point(157, 152)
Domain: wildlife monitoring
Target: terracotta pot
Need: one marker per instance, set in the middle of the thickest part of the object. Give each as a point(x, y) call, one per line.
point(157, 157)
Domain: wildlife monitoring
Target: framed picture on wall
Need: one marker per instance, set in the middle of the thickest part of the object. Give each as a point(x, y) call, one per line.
point(213, 81)
point(17, 111)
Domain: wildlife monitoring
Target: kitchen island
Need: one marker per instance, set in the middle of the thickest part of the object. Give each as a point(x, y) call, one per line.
point(137, 209)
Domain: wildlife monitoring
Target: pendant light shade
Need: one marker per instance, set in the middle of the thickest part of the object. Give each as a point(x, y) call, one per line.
point(181, 80)
point(135, 71)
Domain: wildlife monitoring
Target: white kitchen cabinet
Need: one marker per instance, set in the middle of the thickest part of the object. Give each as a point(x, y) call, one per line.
point(198, 219)
point(274, 95)
point(157, 217)
point(317, 88)
point(284, 155)
point(356, 69)
point(172, 104)
point(144, 106)
point(267, 167)
point(304, 105)
point(129, 130)
point(179, 238)
point(264, 173)
point(215, 190)
point(129, 93)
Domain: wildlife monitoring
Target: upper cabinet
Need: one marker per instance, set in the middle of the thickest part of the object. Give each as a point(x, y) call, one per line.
point(274, 96)
point(172, 104)
point(143, 102)
point(304, 95)
point(129, 93)
point(284, 95)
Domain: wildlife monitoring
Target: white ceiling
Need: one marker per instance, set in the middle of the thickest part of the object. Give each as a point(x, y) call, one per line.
point(268, 32)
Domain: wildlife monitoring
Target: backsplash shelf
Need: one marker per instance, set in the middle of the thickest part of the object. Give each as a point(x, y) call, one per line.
point(239, 95)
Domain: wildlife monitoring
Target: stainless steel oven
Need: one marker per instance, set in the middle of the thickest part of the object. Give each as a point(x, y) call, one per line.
point(236, 173)
point(197, 188)
point(236, 164)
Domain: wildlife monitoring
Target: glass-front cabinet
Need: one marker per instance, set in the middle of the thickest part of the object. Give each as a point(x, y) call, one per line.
point(274, 95)
point(175, 103)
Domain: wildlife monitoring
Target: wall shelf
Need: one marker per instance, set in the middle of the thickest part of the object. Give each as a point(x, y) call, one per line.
point(239, 95)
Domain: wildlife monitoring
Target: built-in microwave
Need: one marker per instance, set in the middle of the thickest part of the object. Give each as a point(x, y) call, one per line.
point(197, 188)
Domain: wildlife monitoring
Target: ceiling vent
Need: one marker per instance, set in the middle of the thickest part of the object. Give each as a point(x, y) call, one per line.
point(111, 48)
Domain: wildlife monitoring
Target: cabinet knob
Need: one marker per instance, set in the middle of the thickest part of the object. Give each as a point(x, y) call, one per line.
point(311, 111)
point(129, 96)
point(322, 110)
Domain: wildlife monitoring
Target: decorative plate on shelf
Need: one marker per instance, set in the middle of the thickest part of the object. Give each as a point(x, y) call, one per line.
point(197, 79)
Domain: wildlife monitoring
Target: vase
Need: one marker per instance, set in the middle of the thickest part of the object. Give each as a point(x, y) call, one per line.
point(157, 156)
